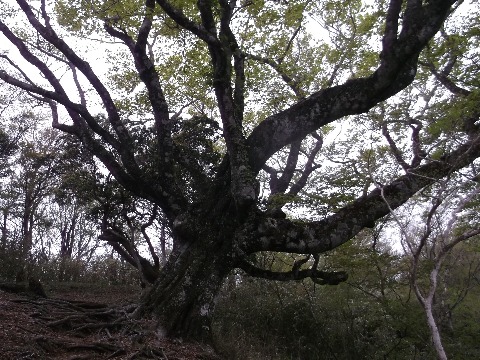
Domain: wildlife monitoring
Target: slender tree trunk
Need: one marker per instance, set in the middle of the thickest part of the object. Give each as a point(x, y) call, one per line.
point(437, 341)
point(163, 240)
point(4, 229)
point(26, 243)
point(427, 303)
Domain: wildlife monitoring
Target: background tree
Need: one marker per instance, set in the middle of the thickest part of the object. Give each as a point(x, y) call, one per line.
point(34, 183)
point(197, 59)
point(8, 148)
point(443, 231)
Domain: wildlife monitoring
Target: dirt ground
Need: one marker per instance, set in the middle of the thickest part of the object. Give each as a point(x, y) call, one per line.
point(77, 322)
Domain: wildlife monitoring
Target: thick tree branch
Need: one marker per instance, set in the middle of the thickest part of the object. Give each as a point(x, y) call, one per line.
point(318, 276)
point(144, 31)
point(208, 21)
point(163, 122)
point(230, 103)
point(227, 7)
point(418, 153)
point(396, 71)
point(279, 185)
point(391, 28)
point(130, 254)
point(317, 237)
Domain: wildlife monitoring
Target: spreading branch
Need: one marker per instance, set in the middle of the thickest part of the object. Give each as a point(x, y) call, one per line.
point(396, 71)
point(318, 276)
point(320, 236)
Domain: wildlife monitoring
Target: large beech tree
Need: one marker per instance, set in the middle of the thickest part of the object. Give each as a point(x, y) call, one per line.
point(211, 96)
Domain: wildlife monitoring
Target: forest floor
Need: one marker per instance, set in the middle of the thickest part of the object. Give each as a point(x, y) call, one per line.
point(84, 322)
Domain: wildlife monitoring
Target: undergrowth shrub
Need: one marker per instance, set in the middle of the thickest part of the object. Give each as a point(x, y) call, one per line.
point(102, 269)
point(258, 319)
point(266, 320)
point(9, 260)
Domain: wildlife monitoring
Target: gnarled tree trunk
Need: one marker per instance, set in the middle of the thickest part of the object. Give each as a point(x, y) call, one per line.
point(183, 296)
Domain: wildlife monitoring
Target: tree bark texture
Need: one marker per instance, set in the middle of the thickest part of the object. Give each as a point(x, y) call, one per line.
point(432, 325)
point(183, 296)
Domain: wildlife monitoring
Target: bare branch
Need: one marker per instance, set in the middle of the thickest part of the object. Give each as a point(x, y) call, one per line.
point(143, 229)
point(280, 184)
point(309, 167)
point(443, 78)
point(292, 84)
point(179, 17)
point(49, 35)
point(289, 44)
point(318, 276)
point(393, 147)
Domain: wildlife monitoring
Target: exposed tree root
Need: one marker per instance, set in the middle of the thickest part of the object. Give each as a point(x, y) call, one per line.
point(49, 344)
point(148, 353)
point(82, 320)
point(77, 330)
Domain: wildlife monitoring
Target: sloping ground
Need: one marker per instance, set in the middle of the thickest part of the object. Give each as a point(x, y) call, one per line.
point(80, 324)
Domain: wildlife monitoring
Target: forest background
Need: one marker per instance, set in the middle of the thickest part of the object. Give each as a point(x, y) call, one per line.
point(76, 210)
